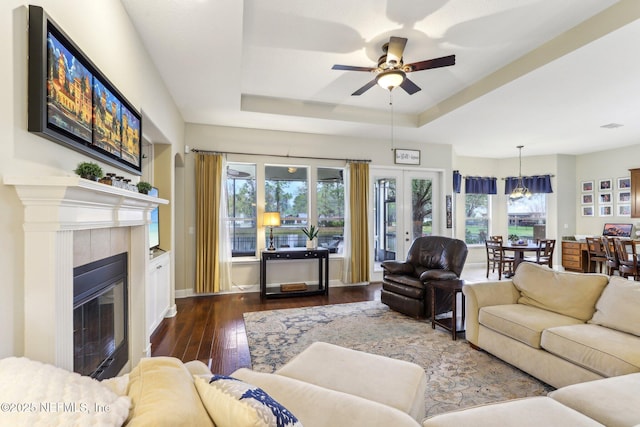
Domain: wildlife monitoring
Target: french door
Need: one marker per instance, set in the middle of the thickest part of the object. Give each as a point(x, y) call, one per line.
point(405, 207)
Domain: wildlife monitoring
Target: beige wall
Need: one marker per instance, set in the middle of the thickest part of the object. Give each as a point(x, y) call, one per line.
point(101, 28)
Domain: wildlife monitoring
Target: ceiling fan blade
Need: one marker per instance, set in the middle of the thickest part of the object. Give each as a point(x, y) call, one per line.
point(351, 68)
point(409, 86)
point(395, 50)
point(364, 88)
point(444, 61)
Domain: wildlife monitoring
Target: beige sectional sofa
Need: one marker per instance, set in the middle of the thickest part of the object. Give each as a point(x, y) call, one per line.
point(325, 385)
point(611, 402)
point(562, 328)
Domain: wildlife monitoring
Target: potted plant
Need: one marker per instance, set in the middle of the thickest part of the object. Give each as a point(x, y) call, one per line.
point(89, 170)
point(311, 233)
point(144, 187)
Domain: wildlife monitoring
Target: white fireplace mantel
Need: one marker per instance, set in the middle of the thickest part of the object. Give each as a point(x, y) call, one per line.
point(54, 207)
point(74, 203)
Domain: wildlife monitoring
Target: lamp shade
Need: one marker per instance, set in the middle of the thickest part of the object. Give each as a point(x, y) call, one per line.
point(390, 79)
point(271, 219)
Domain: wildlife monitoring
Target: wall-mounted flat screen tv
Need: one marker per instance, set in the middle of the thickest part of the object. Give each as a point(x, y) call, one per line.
point(72, 103)
point(154, 225)
point(617, 230)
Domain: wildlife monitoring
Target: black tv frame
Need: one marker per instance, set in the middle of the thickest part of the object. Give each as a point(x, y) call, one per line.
point(40, 24)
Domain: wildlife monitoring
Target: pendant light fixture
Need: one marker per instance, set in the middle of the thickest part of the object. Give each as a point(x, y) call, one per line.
point(520, 191)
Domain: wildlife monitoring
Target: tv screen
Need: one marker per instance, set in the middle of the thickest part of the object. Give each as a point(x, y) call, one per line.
point(617, 230)
point(154, 235)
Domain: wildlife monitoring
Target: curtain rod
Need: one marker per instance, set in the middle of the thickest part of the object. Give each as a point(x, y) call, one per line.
point(196, 150)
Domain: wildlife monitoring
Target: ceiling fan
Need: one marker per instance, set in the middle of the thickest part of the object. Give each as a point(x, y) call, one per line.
point(391, 72)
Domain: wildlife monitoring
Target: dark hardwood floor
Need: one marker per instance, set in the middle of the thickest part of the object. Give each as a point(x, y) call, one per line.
point(211, 328)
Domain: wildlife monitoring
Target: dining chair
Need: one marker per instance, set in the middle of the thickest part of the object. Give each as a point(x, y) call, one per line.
point(496, 258)
point(608, 244)
point(627, 258)
point(544, 253)
point(595, 254)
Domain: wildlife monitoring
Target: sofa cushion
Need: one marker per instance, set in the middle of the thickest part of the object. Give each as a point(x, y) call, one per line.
point(606, 401)
point(522, 322)
point(396, 383)
point(234, 403)
point(571, 294)
point(618, 307)
point(602, 350)
point(317, 406)
point(38, 394)
point(529, 412)
point(163, 393)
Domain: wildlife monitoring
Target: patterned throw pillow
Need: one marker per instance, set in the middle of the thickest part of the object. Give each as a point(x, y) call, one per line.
point(234, 403)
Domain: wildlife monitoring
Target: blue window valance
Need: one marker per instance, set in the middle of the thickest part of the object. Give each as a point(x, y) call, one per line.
point(535, 183)
point(480, 185)
point(457, 181)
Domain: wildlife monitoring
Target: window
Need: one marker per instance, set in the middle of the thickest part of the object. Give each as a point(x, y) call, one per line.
point(286, 190)
point(527, 217)
point(330, 208)
point(477, 218)
point(241, 207)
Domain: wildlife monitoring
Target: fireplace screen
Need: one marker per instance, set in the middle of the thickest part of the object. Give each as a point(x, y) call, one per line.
point(100, 318)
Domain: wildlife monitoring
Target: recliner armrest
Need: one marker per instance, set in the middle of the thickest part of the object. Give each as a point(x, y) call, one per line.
point(398, 267)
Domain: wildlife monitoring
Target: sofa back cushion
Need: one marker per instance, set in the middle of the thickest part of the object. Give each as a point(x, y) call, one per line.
point(571, 294)
point(618, 307)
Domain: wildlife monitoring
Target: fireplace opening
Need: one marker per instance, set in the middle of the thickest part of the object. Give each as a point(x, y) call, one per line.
point(101, 346)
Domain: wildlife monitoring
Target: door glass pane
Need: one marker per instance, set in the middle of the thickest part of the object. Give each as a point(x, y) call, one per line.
point(421, 208)
point(386, 219)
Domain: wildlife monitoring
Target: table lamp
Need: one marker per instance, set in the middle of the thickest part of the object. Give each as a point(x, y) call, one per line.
point(271, 219)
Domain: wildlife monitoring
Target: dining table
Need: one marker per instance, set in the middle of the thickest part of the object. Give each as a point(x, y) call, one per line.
point(519, 250)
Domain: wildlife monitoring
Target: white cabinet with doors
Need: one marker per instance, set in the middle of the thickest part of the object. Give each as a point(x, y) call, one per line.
point(158, 292)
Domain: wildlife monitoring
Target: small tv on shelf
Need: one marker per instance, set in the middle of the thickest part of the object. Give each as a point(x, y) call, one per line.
point(154, 230)
point(617, 230)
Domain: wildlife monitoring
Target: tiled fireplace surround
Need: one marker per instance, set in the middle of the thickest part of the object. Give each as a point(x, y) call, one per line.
point(69, 221)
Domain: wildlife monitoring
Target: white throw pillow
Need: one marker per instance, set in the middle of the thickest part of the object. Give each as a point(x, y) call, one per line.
point(37, 394)
point(619, 306)
point(234, 403)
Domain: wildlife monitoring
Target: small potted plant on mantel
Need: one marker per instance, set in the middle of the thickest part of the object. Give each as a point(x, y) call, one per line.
point(311, 233)
point(144, 187)
point(89, 170)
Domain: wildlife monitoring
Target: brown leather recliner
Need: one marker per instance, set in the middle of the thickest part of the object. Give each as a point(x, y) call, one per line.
point(404, 284)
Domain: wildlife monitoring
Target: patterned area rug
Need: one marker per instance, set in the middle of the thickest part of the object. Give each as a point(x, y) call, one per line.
point(458, 376)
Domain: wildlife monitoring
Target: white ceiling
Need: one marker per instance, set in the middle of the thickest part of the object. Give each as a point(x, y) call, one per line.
point(546, 74)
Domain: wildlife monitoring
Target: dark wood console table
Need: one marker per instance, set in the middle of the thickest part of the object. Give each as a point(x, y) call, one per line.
point(453, 287)
point(321, 288)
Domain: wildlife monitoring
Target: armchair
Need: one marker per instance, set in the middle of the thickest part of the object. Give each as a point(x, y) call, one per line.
point(405, 283)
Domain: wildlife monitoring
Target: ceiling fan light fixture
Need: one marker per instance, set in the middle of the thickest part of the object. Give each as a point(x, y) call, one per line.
point(390, 79)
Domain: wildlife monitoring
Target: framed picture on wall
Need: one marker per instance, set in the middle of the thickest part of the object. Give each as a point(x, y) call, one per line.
point(624, 183)
point(605, 198)
point(587, 199)
point(587, 210)
point(606, 210)
point(604, 184)
point(624, 196)
point(624, 209)
point(587, 186)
